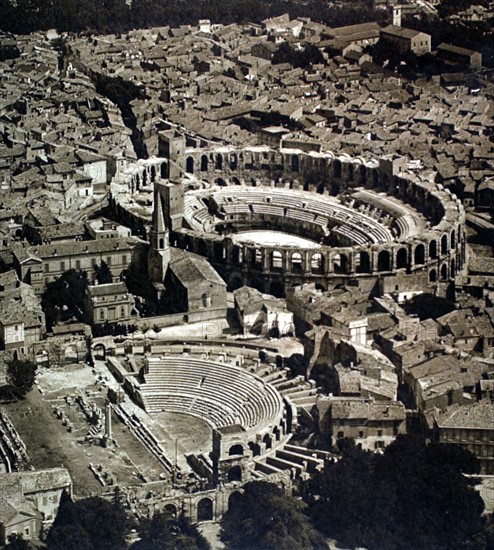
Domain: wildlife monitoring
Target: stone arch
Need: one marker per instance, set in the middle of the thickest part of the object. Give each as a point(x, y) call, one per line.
point(255, 448)
point(218, 252)
point(276, 260)
point(234, 500)
point(235, 180)
point(235, 474)
point(277, 433)
point(384, 261)
point(295, 163)
point(218, 161)
point(202, 248)
point(432, 276)
point(267, 441)
point(453, 239)
point(237, 449)
point(220, 182)
point(153, 173)
point(402, 258)
point(171, 509)
point(277, 289)
point(363, 262)
point(320, 188)
point(350, 171)
point(337, 168)
point(164, 170)
point(433, 250)
point(317, 263)
point(363, 174)
point(205, 509)
point(204, 163)
point(444, 244)
point(99, 351)
point(70, 354)
point(453, 268)
point(233, 161)
point(444, 272)
point(419, 254)
point(341, 263)
point(296, 262)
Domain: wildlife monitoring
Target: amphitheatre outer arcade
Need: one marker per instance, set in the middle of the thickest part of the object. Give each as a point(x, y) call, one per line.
point(370, 220)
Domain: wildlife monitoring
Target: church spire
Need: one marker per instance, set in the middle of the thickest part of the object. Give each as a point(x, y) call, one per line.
point(159, 251)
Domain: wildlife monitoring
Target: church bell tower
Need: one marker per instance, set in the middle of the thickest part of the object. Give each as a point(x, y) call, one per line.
point(159, 251)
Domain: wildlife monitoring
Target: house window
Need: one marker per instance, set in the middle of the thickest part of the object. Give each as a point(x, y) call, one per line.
point(341, 435)
point(124, 259)
point(379, 433)
point(102, 314)
point(108, 260)
point(62, 266)
point(361, 434)
point(47, 268)
point(78, 264)
point(122, 311)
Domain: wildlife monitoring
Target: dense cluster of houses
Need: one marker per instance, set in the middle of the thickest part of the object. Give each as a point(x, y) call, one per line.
point(64, 146)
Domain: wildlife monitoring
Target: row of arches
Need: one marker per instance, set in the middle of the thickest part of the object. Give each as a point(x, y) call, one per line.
point(325, 261)
point(205, 507)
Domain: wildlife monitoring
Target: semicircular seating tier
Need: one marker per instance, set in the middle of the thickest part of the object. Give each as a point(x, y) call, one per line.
point(221, 394)
point(359, 226)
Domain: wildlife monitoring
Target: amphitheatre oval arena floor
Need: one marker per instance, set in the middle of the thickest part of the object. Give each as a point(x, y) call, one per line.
point(273, 238)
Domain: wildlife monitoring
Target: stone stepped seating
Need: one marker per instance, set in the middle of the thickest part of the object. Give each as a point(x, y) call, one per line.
point(144, 435)
point(306, 402)
point(294, 393)
point(309, 463)
point(305, 207)
point(283, 464)
point(219, 392)
point(403, 217)
point(290, 457)
point(315, 453)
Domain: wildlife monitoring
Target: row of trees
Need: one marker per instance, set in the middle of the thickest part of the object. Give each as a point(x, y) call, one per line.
point(413, 496)
point(113, 16)
point(97, 524)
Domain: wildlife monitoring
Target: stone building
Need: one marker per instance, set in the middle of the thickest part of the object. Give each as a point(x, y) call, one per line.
point(471, 427)
point(373, 425)
point(109, 303)
point(29, 501)
point(262, 313)
point(40, 265)
point(407, 40)
point(194, 287)
point(22, 321)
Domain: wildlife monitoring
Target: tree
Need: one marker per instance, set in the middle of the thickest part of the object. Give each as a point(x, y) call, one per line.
point(17, 542)
point(412, 497)
point(64, 298)
point(169, 533)
point(21, 374)
point(93, 521)
point(103, 273)
point(263, 517)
